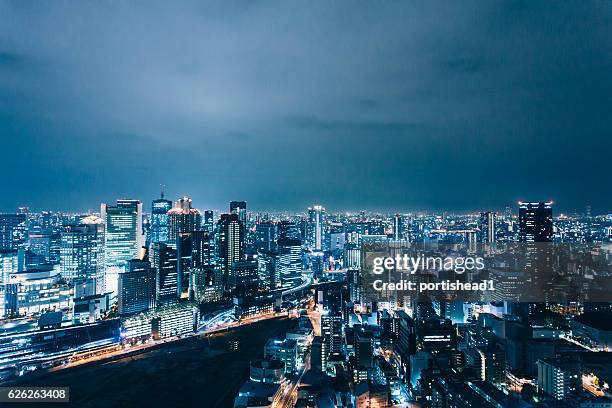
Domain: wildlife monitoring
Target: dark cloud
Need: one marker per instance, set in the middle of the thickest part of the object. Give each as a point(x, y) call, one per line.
point(396, 105)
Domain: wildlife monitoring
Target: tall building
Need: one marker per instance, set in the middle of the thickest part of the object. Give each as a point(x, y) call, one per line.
point(13, 231)
point(289, 260)
point(9, 264)
point(82, 253)
point(535, 222)
point(288, 229)
point(159, 220)
point(240, 208)
point(163, 259)
point(265, 236)
point(209, 221)
point(332, 330)
point(245, 276)
point(123, 238)
point(267, 265)
point(230, 243)
point(398, 227)
point(487, 227)
point(183, 218)
point(202, 249)
point(316, 227)
point(136, 288)
point(364, 348)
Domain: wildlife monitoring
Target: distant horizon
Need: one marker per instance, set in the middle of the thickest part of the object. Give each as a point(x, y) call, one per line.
point(147, 209)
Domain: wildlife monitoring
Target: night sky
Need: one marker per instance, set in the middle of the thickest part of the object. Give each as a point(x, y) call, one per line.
point(380, 105)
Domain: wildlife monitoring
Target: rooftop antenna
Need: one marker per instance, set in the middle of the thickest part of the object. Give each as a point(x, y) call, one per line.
point(162, 187)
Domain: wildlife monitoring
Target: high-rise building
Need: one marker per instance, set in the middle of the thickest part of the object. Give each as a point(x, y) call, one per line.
point(265, 236)
point(398, 227)
point(487, 227)
point(290, 260)
point(244, 275)
point(364, 348)
point(123, 238)
point(319, 352)
point(267, 265)
point(9, 264)
point(316, 227)
point(535, 222)
point(136, 287)
point(332, 330)
point(159, 220)
point(82, 253)
point(209, 221)
point(13, 231)
point(202, 249)
point(230, 243)
point(163, 259)
point(288, 229)
point(183, 218)
point(240, 208)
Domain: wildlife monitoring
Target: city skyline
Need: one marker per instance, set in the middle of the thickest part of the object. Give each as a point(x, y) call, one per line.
point(147, 208)
point(396, 106)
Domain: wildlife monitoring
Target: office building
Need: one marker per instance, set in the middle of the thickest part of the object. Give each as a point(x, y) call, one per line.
point(136, 288)
point(13, 231)
point(183, 218)
point(332, 330)
point(163, 259)
point(398, 227)
point(289, 260)
point(283, 350)
point(239, 208)
point(159, 230)
point(230, 244)
point(265, 236)
point(82, 252)
point(487, 227)
point(559, 377)
point(315, 228)
point(535, 222)
point(209, 221)
point(123, 238)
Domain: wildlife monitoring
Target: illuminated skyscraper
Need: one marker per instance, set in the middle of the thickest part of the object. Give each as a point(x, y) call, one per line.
point(9, 264)
point(316, 227)
point(82, 252)
point(159, 219)
point(13, 231)
point(230, 243)
point(487, 227)
point(240, 208)
point(209, 221)
point(535, 222)
point(183, 218)
point(265, 236)
point(398, 227)
point(136, 288)
point(289, 260)
point(164, 261)
point(123, 237)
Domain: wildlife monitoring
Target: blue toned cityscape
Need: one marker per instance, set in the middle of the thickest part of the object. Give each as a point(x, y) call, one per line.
point(263, 308)
point(306, 204)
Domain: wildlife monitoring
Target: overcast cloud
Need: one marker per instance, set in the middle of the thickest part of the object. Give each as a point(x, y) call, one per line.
point(382, 105)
